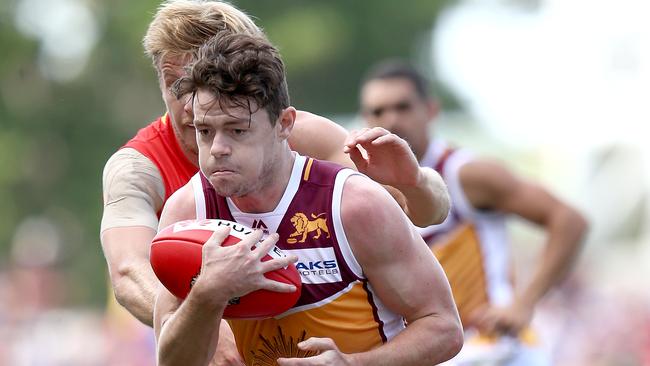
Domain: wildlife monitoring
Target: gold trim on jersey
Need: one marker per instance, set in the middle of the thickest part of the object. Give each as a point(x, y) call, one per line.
point(308, 169)
point(459, 253)
point(526, 336)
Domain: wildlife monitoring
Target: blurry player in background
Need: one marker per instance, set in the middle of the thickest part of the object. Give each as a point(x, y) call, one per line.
point(471, 244)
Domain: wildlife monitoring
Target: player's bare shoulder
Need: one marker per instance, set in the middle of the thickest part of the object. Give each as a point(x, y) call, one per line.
point(368, 211)
point(307, 123)
point(309, 118)
point(361, 194)
point(318, 137)
point(180, 206)
point(487, 182)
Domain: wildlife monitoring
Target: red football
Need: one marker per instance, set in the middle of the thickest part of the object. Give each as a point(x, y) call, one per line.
point(176, 260)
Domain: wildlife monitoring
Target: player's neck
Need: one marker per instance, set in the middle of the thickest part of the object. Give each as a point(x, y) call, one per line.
point(267, 197)
point(191, 156)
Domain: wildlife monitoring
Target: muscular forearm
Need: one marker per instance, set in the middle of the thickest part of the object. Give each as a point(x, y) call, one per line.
point(127, 253)
point(427, 200)
point(426, 341)
point(565, 235)
point(191, 334)
point(134, 285)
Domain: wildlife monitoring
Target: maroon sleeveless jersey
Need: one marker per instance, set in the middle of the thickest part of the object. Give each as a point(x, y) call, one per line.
point(337, 301)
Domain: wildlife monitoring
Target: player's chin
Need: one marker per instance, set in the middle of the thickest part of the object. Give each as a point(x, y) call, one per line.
point(227, 187)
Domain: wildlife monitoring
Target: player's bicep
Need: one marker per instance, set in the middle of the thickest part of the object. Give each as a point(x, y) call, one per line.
point(491, 186)
point(532, 202)
point(180, 206)
point(411, 282)
point(398, 264)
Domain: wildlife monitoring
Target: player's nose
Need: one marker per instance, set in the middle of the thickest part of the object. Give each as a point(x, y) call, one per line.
point(220, 146)
point(390, 120)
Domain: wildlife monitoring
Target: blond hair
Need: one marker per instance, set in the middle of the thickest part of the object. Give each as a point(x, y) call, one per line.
point(180, 27)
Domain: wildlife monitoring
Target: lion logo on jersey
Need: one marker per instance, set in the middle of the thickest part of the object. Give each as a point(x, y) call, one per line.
point(304, 226)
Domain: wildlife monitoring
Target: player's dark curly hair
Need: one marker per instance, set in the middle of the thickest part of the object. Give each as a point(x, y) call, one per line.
point(238, 68)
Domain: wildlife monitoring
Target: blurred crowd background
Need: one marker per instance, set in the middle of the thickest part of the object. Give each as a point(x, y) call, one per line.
point(554, 88)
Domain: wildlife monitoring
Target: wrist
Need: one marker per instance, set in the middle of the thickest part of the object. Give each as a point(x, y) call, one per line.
point(356, 359)
point(204, 293)
point(414, 182)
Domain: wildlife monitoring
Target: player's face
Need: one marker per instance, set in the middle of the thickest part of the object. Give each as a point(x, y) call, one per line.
point(171, 69)
point(395, 105)
point(238, 151)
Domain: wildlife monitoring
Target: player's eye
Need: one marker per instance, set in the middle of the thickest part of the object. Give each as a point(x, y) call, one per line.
point(403, 106)
point(377, 112)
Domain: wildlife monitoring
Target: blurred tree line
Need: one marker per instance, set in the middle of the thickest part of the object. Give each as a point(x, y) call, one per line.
point(55, 136)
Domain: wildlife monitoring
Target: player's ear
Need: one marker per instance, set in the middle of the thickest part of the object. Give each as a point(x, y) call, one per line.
point(284, 123)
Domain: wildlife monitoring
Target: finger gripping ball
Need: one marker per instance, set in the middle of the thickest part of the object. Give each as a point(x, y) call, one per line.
point(175, 257)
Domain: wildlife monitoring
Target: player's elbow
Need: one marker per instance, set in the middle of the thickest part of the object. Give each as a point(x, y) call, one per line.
point(576, 223)
point(581, 224)
point(433, 216)
point(454, 337)
point(122, 278)
point(442, 209)
point(442, 201)
point(446, 335)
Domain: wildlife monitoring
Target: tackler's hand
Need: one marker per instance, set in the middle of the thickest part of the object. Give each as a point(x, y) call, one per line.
point(388, 158)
